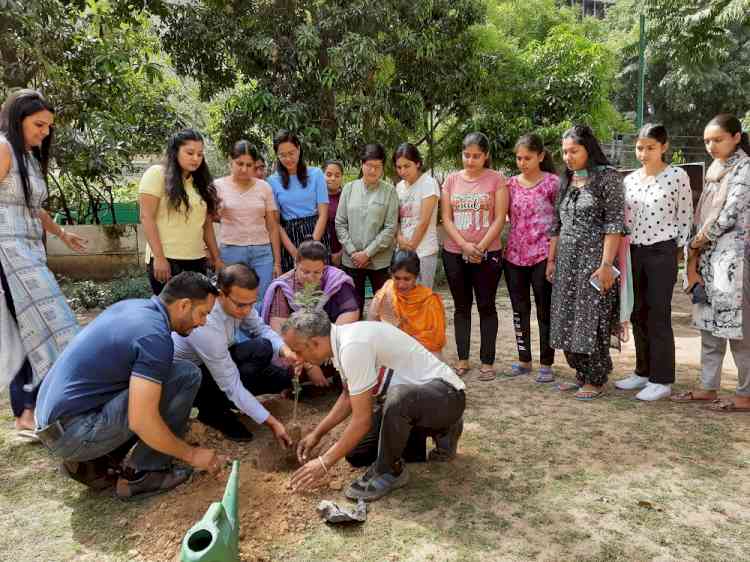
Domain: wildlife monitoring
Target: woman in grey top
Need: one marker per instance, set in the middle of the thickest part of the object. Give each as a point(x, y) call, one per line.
point(41, 314)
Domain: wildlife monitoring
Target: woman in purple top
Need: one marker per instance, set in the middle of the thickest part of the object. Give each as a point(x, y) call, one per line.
point(334, 174)
point(531, 212)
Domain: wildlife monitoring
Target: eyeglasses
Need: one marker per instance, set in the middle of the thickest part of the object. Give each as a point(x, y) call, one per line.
point(240, 305)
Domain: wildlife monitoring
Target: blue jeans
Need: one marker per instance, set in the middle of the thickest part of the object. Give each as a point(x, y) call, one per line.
point(94, 434)
point(258, 258)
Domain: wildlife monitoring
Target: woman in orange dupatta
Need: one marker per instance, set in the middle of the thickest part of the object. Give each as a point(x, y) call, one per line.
point(413, 308)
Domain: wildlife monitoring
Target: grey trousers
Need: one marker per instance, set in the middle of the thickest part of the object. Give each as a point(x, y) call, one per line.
point(433, 406)
point(713, 350)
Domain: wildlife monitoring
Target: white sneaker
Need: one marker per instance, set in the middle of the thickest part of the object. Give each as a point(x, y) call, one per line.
point(633, 382)
point(654, 391)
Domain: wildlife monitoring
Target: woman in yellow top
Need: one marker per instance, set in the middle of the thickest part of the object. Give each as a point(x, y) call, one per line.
point(177, 203)
point(413, 308)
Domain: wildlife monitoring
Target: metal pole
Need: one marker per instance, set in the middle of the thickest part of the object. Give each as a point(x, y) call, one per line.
point(641, 71)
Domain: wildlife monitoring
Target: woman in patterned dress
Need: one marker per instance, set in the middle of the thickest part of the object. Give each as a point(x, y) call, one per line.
point(589, 221)
point(719, 265)
point(43, 318)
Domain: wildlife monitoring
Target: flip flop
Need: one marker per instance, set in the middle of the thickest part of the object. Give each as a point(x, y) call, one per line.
point(567, 386)
point(688, 396)
point(487, 375)
point(460, 371)
point(589, 395)
point(545, 375)
point(28, 435)
point(726, 407)
point(516, 370)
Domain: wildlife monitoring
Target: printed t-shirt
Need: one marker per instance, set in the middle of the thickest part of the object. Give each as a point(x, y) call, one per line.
point(532, 212)
point(410, 208)
point(371, 356)
point(473, 205)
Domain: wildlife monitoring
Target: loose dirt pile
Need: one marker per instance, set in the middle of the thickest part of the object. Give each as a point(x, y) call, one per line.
point(269, 509)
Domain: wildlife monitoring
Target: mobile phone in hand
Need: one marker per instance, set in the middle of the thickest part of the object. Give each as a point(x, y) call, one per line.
point(595, 280)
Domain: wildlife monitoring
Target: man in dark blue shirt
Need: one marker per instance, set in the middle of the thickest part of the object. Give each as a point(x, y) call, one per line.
point(117, 383)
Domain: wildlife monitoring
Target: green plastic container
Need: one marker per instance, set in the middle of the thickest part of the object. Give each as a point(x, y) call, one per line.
point(216, 537)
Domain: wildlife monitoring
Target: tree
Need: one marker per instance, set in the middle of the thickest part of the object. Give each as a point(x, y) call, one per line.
point(340, 73)
point(100, 65)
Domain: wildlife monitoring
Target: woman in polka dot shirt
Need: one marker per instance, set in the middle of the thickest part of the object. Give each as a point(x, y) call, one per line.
point(658, 215)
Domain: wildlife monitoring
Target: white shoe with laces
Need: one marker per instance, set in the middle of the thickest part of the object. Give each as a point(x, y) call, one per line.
point(633, 382)
point(654, 391)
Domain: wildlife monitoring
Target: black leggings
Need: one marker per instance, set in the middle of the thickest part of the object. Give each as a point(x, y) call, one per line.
point(519, 280)
point(465, 281)
point(377, 278)
point(177, 266)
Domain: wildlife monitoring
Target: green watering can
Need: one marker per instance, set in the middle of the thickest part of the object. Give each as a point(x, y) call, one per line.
point(216, 537)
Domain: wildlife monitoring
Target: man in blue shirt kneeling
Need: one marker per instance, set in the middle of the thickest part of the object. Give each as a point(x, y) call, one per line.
point(117, 384)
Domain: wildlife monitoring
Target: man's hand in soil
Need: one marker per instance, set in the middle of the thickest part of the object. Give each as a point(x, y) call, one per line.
point(306, 446)
point(307, 476)
point(207, 459)
point(279, 432)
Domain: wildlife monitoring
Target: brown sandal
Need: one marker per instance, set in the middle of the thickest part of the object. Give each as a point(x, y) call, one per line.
point(726, 407)
point(487, 375)
point(689, 396)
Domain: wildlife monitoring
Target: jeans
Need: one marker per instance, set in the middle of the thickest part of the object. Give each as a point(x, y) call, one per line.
point(520, 279)
point(433, 407)
point(253, 359)
point(465, 281)
point(377, 277)
point(654, 277)
point(93, 434)
point(258, 258)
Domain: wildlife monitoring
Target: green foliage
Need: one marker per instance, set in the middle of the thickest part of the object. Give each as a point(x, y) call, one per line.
point(100, 65)
point(698, 63)
point(88, 295)
point(339, 73)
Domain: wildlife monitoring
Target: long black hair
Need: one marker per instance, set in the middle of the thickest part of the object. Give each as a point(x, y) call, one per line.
point(482, 141)
point(280, 138)
point(732, 125)
point(17, 107)
point(244, 148)
point(174, 182)
point(584, 136)
point(534, 143)
point(657, 132)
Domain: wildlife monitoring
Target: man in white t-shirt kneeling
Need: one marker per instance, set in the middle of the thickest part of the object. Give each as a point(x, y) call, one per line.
point(382, 368)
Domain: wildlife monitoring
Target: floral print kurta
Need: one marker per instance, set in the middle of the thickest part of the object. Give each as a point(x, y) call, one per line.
point(723, 262)
point(582, 318)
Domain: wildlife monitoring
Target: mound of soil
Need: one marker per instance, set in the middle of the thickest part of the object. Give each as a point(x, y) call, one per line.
point(269, 509)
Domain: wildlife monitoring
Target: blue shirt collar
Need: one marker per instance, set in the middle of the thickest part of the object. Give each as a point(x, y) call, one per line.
point(163, 309)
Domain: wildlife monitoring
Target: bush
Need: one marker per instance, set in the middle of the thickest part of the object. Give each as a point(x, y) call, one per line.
point(87, 295)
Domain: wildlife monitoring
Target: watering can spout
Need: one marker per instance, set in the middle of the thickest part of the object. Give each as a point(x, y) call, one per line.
point(215, 538)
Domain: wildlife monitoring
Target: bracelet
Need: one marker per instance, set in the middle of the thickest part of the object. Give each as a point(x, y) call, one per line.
point(320, 459)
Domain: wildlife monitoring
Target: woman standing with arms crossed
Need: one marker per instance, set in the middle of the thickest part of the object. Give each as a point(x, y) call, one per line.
point(532, 212)
point(418, 195)
point(178, 203)
point(301, 196)
point(473, 204)
point(658, 216)
point(37, 307)
point(366, 223)
point(249, 229)
point(589, 222)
